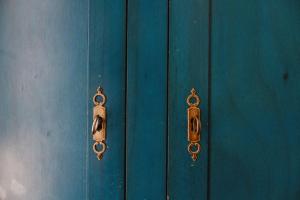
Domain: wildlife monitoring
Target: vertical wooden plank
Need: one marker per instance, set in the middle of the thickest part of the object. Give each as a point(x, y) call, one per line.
point(147, 99)
point(255, 100)
point(188, 69)
point(107, 51)
point(43, 86)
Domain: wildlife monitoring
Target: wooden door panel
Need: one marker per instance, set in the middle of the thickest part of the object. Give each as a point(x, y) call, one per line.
point(188, 69)
point(107, 52)
point(146, 99)
point(48, 77)
point(255, 110)
point(43, 86)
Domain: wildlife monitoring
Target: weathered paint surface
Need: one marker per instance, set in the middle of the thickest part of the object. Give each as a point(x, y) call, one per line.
point(43, 87)
point(146, 99)
point(54, 54)
point(255, 110)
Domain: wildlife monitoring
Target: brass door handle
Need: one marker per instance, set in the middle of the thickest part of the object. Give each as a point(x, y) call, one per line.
point(99, 123)
point(194, 124)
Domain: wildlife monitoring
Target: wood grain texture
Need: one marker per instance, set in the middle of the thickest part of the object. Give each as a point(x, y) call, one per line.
point(255, 114)
point(107, 68)
point(147, 99)
point(188, 68)
point(43, 86)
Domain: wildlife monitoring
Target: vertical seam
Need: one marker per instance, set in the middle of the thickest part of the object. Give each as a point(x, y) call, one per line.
point(125, 100)
point(167, 100)
point(209, 96)
point(87, 105)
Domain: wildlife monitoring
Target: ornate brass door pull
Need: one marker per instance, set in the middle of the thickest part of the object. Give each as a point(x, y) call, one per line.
point(99, 123)
point(194, 124)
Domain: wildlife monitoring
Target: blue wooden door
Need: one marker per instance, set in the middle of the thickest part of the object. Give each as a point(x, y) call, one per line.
point(53, 56)
point(243, 58)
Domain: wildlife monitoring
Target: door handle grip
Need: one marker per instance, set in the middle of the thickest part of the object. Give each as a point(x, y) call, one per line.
point(99, 123)
point(194, 124)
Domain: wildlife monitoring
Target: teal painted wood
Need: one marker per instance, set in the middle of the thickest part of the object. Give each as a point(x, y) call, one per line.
point(107, 40)
point(255, 113)
point(146, 99)
point(188, 69)
point(43, 86)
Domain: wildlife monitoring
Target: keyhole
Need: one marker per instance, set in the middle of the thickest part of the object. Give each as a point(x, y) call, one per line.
point(194, 125)
point(99, 124)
